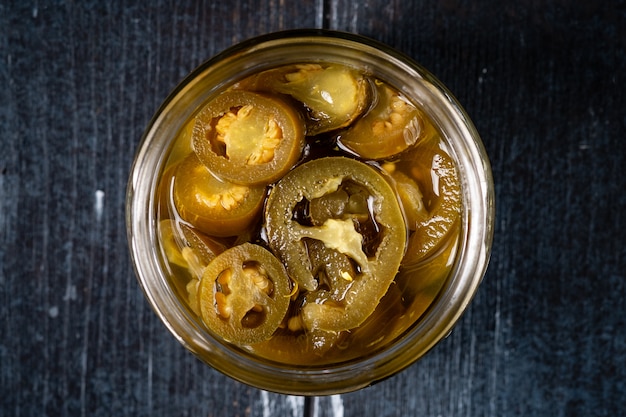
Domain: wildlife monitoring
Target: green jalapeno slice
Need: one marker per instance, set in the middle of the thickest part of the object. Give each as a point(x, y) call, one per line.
point(411, 198)
point(186, 247)
point(337, 226)
point(215, 207)
point(333, 95)
point(248, 138)
point(244, 294)
point(188, 253)
point(393, 125)
point(443, 211)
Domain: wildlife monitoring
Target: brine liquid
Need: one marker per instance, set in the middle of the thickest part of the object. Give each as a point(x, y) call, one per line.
point(430, 253)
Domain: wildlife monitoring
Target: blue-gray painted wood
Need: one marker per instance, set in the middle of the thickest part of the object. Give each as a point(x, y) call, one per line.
point(544, 84)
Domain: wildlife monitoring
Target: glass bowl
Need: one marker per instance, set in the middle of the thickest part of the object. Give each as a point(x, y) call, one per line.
point(466, 260)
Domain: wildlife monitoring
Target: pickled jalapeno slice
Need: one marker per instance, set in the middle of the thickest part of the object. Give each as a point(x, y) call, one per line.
point(186, 248)
point(248, 138)
point(411, 198)
point(337, 226)
point(215, 207)
point(393, 125)
point(333, 95)
point(443, 215)
point(244, 294)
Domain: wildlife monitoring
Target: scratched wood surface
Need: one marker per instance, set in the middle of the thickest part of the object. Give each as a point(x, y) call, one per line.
point(544, 84)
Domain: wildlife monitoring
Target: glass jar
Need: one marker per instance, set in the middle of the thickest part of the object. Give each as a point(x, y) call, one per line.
point(468, 261)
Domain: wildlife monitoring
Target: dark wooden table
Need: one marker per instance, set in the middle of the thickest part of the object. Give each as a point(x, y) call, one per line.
point(545, 86)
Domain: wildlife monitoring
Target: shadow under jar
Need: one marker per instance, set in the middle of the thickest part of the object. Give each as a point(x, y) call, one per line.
point(310, 212)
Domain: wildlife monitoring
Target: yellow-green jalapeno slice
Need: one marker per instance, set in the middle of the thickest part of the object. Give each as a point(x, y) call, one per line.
point(390, 127)
point(333, 96)
point(188, 252)
point(215, 207)
point(443, 211)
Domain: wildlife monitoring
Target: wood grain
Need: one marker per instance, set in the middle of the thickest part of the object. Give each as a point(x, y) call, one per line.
point(546, 333)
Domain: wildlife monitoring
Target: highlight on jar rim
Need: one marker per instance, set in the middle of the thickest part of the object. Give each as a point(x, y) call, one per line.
point(310, 212)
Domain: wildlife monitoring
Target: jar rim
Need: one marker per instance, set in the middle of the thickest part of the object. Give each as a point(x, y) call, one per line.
point(478, 213)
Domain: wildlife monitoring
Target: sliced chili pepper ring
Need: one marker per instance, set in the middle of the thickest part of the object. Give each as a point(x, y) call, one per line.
point(333, 95)
point(217, 208)
point(392, 126)
point(443, 217)
point(244, 294)
point(375, 267)
point(248, 138)
point(186, 248)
